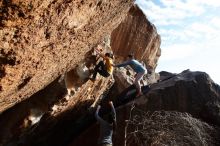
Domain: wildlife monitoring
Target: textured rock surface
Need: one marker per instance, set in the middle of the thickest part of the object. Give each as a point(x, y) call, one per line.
point(41, 39)
point(188, 92)
point(124, 77)
point(191, 92)
point(169, 128)
point(135, 35)
point(46, 49)
point(60, 114)
point(160, 128)
point(138, 36)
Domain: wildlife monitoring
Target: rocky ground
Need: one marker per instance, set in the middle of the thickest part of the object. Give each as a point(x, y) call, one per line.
point(178, 110)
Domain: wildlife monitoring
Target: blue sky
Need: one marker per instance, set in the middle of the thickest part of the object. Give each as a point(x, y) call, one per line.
point(190, 33)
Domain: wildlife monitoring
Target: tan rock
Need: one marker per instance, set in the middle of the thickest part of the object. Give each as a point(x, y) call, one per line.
point(42, 39)
point(137, 35)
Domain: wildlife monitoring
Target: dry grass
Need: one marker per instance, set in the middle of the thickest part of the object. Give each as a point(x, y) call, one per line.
point(168, 128)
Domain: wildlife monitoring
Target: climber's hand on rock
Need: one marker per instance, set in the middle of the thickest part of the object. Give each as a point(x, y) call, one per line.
point(98, 50)
point(135, 75)
point(111, 103)
point(98, 107)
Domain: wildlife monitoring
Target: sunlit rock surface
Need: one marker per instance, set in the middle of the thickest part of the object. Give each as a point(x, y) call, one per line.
point(42, 39)
point(46, 58)
point(137, 35)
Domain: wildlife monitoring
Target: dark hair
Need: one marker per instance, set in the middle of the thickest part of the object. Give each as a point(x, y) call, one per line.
point(111, 55)
point(131, 56)
point(108, 54)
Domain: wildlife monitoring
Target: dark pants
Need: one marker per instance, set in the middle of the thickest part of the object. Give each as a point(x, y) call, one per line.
point(101, 69)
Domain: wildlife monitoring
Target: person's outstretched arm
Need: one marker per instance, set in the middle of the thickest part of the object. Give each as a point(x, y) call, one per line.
point(114, 116)
point(98, 118)
point(100, 53)
point(112, 109)
point(124, 64)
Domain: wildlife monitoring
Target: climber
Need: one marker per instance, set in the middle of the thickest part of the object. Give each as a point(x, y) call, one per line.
point(138, 68)
point(104, 69)
point(107, 126)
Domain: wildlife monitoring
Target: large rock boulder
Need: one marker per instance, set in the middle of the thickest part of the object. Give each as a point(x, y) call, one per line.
point(182, 109)
point(191, 92)
point(168, 128)
point(42, 39)
point(138, 36)
point(64, 63)
point(157, 128)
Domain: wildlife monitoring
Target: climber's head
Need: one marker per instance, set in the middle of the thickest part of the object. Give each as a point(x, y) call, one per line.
point(130, 56)
point(107, 55)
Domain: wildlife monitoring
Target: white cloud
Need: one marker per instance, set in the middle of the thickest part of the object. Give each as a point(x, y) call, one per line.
point(172, 34)
point(187, 6)
point(176, 12)
point(177, 51)
point(190, 32)
point(201, 28)
point(170, 12)
point(215, 22)
point(200, 31)
point(200, 60)
point(212, 3)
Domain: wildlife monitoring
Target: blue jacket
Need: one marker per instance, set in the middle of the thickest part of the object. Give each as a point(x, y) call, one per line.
point(135, 65)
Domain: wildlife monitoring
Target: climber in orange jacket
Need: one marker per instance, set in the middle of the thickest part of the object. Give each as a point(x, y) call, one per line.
point(105, 67)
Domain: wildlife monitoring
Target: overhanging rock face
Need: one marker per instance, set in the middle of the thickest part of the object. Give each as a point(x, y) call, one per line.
point(42, 39)
point(138, 36)
point(56, 38)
